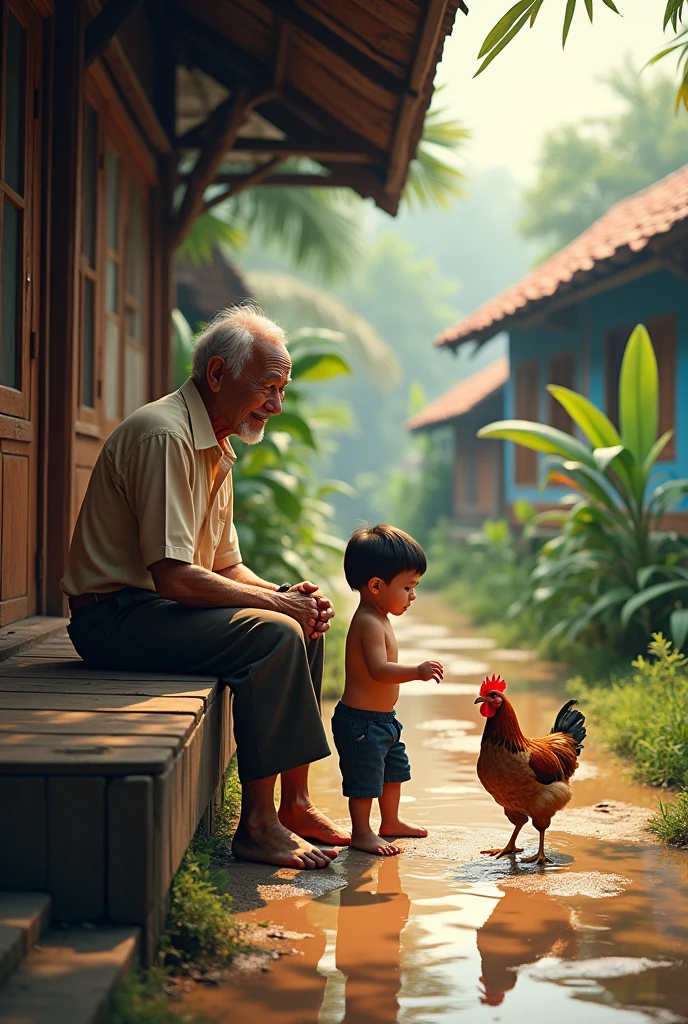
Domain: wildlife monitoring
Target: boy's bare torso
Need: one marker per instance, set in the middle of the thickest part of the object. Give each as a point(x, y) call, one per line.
point(369, 633)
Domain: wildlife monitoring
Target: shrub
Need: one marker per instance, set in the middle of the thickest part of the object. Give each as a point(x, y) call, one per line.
point(671, 824)
point(141, 999)
point(612, 576)
point(643, 716)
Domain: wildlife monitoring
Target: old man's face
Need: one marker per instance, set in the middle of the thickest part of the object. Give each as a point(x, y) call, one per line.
point(246, 403)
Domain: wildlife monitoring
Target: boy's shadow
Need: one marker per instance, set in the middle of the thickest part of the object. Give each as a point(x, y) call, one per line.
point(523, 927)
point(372, 913)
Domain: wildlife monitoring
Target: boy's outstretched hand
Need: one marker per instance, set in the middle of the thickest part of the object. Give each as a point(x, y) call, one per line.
point(431, 670)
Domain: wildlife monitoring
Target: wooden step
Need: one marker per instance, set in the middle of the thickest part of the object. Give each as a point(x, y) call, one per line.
point(24, 916)
point(69, 978)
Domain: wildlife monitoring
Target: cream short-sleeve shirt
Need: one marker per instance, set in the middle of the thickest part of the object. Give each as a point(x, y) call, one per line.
point(161, 488)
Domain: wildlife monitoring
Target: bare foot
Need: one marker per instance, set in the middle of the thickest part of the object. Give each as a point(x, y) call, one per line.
point(371, 843)
point(271, 843)
point(394, 829)
point(307, 820)
point(506, 852)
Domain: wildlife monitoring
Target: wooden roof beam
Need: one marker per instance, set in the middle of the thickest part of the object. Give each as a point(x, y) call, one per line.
point(287, 148)
point(226, 120)
point(104, 27)
point(237, 183)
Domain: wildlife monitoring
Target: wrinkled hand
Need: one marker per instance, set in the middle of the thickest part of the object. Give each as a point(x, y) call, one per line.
point(431, 670)
point(324, 606)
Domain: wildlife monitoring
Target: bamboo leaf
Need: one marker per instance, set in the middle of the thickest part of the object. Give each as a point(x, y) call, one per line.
point(645, 596)
point(568, 18)
point(639, 395)
point(503, 25)
point(610, 4)
point(505, 41)
point(588, 7)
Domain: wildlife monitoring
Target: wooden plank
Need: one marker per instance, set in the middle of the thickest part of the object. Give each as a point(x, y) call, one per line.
point(20, 636)
point(16, 429)
point(75, 668)
point(97, 703)
point(23, 849)
point(31, 759)
point(130, 878)
point(76, 847)
point(67, 684)
point(92, 722)
point(47, 739)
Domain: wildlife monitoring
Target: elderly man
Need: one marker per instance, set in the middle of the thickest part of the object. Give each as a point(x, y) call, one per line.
point(156, 582)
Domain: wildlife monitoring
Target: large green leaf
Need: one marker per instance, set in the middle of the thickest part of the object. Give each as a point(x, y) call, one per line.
point(644, 597)
point(296, 426)
point(540, 437)
point(639, 395)
point(319, 367)
point(599, 430)
point(608, 600)
point(656, 450)
point(678, 625)
point(669, 493)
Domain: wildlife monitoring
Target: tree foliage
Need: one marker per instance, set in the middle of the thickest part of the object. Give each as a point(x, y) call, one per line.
point(585, 168)
point(525, 12)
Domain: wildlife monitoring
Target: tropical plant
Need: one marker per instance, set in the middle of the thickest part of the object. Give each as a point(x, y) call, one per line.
point(283, 519)
point(612, 575)
point(526, 12)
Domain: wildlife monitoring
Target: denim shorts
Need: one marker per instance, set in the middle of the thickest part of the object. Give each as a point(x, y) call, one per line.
point(370, 750)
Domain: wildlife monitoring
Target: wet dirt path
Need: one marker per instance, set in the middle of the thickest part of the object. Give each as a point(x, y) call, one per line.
point(441, 934)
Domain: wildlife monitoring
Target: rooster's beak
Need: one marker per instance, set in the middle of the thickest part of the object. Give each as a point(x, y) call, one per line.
point(480, 700)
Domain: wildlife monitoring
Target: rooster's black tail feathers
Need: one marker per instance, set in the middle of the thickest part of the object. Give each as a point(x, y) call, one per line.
point(571, 722)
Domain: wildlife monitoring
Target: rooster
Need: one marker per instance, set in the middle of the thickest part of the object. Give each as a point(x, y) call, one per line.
point(528, 778)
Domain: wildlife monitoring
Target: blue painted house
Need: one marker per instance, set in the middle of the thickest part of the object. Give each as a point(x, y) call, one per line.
point(569, 319)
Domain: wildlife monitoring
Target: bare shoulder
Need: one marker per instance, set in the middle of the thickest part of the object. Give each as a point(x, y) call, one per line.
point(365, 625)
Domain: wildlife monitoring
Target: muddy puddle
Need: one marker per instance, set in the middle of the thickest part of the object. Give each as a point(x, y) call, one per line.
point(441, 934)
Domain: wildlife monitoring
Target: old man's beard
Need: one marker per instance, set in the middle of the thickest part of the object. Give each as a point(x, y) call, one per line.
point(250, 433)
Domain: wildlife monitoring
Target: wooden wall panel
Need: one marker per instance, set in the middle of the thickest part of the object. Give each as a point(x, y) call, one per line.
point(527, 407)
point(16, 518)
point(486, 477)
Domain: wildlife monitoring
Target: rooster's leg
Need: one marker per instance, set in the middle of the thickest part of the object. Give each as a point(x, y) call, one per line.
point(519, 820)
point(539, 857)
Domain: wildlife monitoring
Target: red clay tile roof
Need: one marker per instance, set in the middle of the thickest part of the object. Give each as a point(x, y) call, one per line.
point(463, 397)
point(626, 229)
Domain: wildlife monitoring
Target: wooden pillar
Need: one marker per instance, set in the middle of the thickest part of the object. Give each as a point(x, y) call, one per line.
point(67, 101)
point(164, 290)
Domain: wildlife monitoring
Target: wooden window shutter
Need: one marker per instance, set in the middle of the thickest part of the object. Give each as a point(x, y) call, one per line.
point(526, 407)
point(562, 371)
point(662, 330)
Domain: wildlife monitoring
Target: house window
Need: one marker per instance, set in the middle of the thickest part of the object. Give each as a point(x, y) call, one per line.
point(561, 370)
point(662, 331)
point(526, 407)
point(114, 275)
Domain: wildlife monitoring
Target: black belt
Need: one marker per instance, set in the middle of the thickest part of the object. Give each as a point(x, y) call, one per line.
point(85, 600)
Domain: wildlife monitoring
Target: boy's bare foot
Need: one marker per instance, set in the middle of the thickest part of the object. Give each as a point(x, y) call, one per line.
point(307, 820)
point(395, 829)
point(371, 843)
point(271, 843)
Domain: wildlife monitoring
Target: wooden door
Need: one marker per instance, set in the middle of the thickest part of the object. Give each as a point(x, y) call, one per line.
point(20, 162)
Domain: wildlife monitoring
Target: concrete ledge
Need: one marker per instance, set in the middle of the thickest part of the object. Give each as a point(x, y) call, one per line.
point(24, 916)
point(20, 636)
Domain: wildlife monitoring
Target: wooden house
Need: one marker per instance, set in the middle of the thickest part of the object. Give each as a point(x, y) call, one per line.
point(120, 123)
point(117, 118)
point(478, 482)
point(570, 318)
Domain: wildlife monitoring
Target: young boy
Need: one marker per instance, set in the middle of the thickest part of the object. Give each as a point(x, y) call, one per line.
point(385, 566)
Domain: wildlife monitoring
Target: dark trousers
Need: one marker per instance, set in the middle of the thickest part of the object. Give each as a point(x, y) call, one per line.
point(274, 674)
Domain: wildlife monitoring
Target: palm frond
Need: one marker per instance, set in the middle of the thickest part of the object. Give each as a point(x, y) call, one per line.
point(298, 302)
point(318, 229)
point(432, 180)
point(208, 233)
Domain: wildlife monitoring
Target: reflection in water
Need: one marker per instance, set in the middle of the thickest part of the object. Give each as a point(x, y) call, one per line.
point(523, 927)
point(372, 913)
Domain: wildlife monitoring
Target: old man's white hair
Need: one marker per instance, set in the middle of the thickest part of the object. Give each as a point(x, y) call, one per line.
point(231, 334)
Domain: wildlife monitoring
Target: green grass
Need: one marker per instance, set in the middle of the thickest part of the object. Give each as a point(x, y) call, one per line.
point(671, 823)
point(642, 716)
point(141, 999)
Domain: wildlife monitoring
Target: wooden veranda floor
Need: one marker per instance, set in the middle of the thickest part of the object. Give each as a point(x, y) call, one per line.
point(104, 777)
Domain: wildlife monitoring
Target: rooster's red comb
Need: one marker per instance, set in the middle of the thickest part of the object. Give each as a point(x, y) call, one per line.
point(492, 683)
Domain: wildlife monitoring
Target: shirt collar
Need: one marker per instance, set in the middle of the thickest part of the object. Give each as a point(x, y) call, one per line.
point(201, 427)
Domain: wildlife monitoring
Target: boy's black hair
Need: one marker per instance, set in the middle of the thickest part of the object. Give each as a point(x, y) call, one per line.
point(381, 551)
